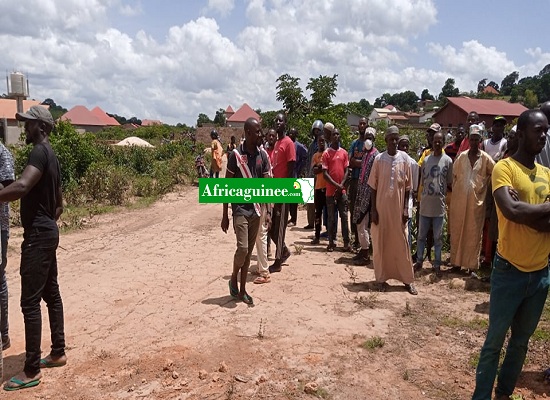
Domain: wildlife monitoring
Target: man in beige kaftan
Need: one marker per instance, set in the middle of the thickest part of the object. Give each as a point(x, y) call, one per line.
point(471, 176)
point(391, 182)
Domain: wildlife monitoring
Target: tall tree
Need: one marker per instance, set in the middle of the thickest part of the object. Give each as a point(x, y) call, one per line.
point(426, 95)
point(203, 119)
point(481, 85)
point(449, 89)
point(508, 83)
point(544, 71)
point(323, 89)
point(290, 94)
point(219, 119)
point(530, 99)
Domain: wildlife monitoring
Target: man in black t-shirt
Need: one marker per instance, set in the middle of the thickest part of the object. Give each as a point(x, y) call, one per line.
point(246, 219)
point(39, 189)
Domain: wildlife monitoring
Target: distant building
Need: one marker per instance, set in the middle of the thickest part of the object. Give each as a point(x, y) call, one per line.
point(383, 114)
point(150, 122)
point(353, 121)
point(10, 128)
point(85, 120)
point(239, 117)
point(457, 109)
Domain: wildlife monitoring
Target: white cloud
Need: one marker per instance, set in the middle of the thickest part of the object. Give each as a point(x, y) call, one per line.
point(72, 54)
point(223, 7)
point(131, 10)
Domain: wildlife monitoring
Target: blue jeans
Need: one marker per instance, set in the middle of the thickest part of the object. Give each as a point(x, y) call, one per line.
point(39, 281)
point(437, 225)
point(4, 325)
point(516, 302)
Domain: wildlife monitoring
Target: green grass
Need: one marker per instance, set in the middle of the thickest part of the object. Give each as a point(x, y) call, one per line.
point(473, 324)
point(373, 343)
point(541, 335)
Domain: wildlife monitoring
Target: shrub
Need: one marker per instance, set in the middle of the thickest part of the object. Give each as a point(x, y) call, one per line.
point(106, 183)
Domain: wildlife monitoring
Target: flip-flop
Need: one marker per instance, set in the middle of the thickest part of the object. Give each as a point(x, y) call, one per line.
point(20, 384)
point(44, 363)
point(247, 299)
point(262, 279)
point(232, 291)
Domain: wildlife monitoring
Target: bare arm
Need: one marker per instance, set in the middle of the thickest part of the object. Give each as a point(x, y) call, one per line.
point(519, 211)
point(374, 210)
point(31, 175)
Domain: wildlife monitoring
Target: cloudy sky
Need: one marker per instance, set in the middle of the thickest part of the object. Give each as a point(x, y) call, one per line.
point(171, 60)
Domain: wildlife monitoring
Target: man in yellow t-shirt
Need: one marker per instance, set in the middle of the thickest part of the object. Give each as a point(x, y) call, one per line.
point(519, 281)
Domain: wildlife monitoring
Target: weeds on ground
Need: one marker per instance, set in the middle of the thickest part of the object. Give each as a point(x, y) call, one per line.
point(408, 310)
point(352, 274)
point(474, 324)
point(373, 343)
point(261, 330)
point(322, 393)
point(370, 300)
point(298, 249)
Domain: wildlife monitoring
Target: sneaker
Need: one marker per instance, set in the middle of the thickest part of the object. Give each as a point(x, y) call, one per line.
point(362, 261)
point(409, 287)
point(309, 227)
point(6, 343)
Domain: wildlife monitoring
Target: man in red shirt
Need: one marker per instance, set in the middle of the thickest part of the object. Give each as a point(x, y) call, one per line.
point(283, 159)
point(335, 164)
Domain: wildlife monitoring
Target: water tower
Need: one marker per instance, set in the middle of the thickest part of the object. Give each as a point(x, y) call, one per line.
point(18, 88)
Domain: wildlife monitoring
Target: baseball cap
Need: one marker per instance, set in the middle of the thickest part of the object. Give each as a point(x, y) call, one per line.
point(499, 118)
point(329, 127)
point(403, 137)
point(434, 127)
point(475, 130)
point(36, 113)
point(371, 130)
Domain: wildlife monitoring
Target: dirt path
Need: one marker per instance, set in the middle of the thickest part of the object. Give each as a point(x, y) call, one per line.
point(148, 316)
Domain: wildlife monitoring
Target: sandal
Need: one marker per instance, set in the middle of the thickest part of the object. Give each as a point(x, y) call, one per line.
point(331, 247)
point(247, 299)
point(411, 289)
point(262, 279)
point(17, 384)
point(233, 292)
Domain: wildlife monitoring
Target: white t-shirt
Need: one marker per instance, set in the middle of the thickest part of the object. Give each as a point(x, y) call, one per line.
point(495, 150)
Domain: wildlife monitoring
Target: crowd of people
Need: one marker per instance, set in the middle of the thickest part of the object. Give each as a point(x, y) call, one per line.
point(485, 185)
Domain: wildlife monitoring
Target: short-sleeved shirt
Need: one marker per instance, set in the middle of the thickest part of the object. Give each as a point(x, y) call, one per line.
point(356, 151)
point(320, 182)
point(39, 204)
point(436, 173)
point(495, 150)
point(526, 248)
point(258, 164)
point(452, 150)
point(301, 158)
point(283, 153)
point(6, 174)
point(335, 162)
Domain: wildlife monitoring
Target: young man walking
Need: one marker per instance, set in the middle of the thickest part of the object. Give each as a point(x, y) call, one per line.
point(39, 189)
point(246, 162)
point(283, 160)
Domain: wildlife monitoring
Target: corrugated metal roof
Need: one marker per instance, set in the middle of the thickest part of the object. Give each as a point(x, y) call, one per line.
point(485, 106)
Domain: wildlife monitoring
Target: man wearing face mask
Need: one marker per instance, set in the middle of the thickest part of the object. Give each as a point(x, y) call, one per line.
point(356, 152)
point(361, 211)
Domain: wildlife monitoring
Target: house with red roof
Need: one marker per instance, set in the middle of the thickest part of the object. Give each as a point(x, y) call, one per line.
point(85, 120)
point(10, 128)
point(240, 116)
point(457, 109)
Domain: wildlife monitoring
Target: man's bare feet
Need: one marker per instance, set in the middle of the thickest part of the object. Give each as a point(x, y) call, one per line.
point(52, 362)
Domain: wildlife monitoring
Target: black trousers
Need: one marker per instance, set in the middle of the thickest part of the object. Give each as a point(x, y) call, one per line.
point(39, 281)
point(293, 210)
point(277, 233)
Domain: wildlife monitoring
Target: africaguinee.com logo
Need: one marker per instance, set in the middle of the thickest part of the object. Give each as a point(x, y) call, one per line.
point(256, 190)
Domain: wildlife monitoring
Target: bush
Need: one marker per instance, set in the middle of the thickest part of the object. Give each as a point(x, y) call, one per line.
point(104, 182)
